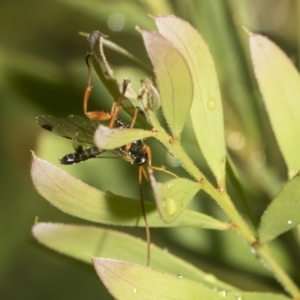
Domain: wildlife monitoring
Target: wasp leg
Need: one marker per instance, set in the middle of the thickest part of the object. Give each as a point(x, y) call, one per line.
point(162, 169)
point(118, 105)
point(148, 238)
point(95, 115)
point(135, 114)
point(127, 147)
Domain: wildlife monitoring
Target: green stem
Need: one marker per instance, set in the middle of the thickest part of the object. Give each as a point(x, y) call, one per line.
point(268, 260)
point(224, 201)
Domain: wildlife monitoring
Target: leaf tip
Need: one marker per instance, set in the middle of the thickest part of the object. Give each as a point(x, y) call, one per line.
point(91, 257)
point(36, 220)
point(33, 155)
point(138, 29)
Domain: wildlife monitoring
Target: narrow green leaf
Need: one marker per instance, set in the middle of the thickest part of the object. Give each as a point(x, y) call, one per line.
point(82, 242)
point(252, 296)
point(129, 281)
point(173, 196)
point(279, 83)
point(283, 212)
point(112, 138)
point(173, 79)
point(206, 110)
point(76, 198)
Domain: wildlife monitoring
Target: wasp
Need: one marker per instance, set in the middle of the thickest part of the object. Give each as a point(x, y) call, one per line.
point(80, 130)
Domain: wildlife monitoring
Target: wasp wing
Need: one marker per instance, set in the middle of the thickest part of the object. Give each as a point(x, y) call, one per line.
point(79, 129)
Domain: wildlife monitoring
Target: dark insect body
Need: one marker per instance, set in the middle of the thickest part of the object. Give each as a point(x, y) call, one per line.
point(81, 131)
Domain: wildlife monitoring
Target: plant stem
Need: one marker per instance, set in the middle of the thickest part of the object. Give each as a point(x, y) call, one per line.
point(269, 262)
point(224, 201)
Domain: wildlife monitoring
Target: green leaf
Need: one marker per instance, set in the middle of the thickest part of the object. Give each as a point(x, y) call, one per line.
point(206, 110)
point(173, 79)
point(173, 196)
point(129, 281)
point(283, 212)
point(112, 138)
point(82, 242)
point(253, 296)
point(76, 198)
point(279, 83)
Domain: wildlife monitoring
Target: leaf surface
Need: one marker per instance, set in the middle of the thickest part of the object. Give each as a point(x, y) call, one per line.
point(129, 281)
point(76, 198)
point(206, 111)
point(173, 196)
point(279, 83)
point(283, 212)
point(112, 138)
point(82, 242)
point(173, 78)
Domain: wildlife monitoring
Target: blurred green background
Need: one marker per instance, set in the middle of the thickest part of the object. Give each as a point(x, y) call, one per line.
point(42, 71)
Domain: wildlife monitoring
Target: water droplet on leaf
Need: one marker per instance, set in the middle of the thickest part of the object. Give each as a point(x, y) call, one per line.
point(211, 104)
point(209, 277)
point(238, 297)
point(254, 251)
point(220, 190)
point(170, 206)
point(222, 293)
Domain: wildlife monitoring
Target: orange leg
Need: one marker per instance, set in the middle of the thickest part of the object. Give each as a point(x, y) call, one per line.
point(117, 106)
point(95, 115)
point(148, 238)
point(132, 124)
point(162, 169)
point(143, 173)
point(101, 115)
point(135, 114)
